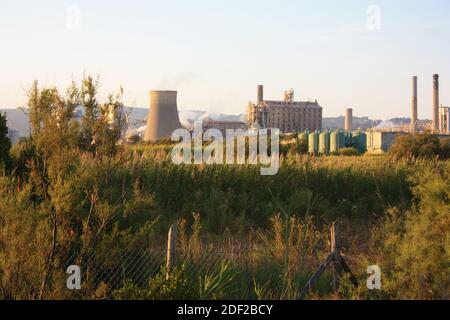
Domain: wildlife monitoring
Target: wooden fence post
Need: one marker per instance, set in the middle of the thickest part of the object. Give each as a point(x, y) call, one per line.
point(335, 250)
point(334, 238)
point(336, 261)
point(171, 246)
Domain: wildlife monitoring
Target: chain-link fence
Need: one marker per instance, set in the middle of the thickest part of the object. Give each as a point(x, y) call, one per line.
point(205, 274)
point(185, 270)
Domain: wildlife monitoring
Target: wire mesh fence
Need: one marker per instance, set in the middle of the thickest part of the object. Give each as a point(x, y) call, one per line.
point(190, 270)
point(141, 268)
point(112, 269)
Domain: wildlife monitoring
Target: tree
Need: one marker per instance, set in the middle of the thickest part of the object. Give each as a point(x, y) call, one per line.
point(5, 145)
point(103, 124)
point(56, 166)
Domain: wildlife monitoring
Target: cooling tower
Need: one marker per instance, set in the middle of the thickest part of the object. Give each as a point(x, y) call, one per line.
point(414, 105)
point(163, 116)
point(260, 94)
point(348, 119)
point(435, 103)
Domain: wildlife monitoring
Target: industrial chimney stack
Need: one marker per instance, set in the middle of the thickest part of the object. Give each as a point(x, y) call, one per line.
point(348, 119)
point(435, 103)
point(260, 94)
point(414, 105)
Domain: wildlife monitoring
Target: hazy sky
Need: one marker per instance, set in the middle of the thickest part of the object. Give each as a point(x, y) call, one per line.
point(216, 52)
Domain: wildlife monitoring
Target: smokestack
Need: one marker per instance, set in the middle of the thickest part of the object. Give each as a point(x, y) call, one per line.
point(348, 119)
point(414, 105)
point(435, 103)
point(163, 116)
point(260, 94)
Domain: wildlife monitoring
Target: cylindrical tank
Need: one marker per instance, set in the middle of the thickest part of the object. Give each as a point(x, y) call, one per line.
point(334, 141)
point(341, 139)
point(337, 140)
point(348, 139)
point(324, 142)
point(360, 141)
point(313, 143)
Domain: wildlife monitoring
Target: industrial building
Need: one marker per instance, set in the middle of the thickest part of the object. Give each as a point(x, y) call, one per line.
point(380, 141)
point(444, 120)
point(222, 126)
point(287, 115)
point(163, 116)
point(440, 114)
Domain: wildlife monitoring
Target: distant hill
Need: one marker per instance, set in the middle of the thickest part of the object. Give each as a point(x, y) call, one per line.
point(17, 120)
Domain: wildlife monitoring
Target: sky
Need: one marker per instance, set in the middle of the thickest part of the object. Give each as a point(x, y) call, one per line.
point(350, 53)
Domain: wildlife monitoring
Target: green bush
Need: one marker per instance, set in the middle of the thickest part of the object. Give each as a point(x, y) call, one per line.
point(417, 245)
point(348, 152)
point(175, 285)
point(419, 146)
point(444, 146)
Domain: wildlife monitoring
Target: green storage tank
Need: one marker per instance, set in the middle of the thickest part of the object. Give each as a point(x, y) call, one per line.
point(359, 141)
point(334, 142)
point(337, 140)
point(341, 139)
point(348, 139)
point(324, 142)
point(313, 143)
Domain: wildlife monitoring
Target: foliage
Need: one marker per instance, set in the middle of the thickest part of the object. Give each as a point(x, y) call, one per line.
point(173, 285)
point(5, 145)
point(349, 152)
point(419, 146)
point(417, 247)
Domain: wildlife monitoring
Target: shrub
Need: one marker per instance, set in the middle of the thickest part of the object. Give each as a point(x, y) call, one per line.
point(418, 146)
point(174, 286)
point(349, 152)
point(444, 146)
point(417, 246)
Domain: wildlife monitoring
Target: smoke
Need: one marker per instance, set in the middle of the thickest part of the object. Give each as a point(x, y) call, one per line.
point(176, 82)
point(187, 118)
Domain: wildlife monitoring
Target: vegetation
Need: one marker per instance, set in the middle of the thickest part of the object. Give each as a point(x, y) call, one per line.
point(5, 145)
point(75, 195)
point(349, 152)
point(420, 146)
